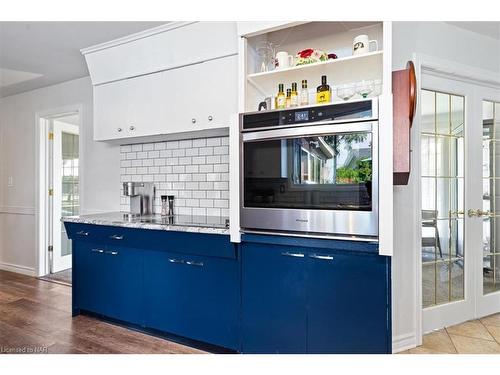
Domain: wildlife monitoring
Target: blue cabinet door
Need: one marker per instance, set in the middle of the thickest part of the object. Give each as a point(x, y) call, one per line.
point(273, 299)
point(123, 284)
point(89, 271)
point(193, 296)
point(347, 303)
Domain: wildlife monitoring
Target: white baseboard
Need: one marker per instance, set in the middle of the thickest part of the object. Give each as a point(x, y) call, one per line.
point(404, 342)
point(28, 271)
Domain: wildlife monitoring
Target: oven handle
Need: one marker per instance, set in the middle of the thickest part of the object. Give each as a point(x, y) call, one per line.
point(308, 131)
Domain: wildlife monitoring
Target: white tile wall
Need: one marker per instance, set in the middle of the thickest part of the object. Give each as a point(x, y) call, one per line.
point(195, 171)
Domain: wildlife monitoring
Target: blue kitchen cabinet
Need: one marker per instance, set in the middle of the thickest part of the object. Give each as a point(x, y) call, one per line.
point(108, 281)
point(89, 272)
point(193, 296)
point(123, 284)
point(331, 297)
point(347, 303)
point(274, 314)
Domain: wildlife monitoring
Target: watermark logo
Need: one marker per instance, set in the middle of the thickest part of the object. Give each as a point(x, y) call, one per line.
point(24, 350)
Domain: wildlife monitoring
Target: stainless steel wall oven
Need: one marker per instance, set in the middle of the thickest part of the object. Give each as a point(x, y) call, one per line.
point(311, 170)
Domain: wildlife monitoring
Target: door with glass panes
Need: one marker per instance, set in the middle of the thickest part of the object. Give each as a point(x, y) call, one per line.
point(64, 166)
point(459, 255)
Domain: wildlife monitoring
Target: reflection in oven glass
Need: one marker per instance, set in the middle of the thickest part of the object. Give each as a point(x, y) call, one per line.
point(332, 172)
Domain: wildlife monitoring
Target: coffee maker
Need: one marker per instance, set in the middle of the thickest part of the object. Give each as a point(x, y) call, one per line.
point(141, 195)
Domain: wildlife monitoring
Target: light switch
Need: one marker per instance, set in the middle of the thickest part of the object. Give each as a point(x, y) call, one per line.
point(10, 181)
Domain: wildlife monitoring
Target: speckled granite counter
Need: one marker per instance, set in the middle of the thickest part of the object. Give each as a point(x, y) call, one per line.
point(178, 223)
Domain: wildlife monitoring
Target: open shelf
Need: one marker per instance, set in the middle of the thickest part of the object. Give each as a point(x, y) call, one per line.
point(339, 71)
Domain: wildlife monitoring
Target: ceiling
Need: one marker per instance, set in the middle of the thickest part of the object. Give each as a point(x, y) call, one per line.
point(491, 29)
point(39, 54)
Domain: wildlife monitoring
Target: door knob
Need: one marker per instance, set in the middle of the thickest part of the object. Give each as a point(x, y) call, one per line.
point(210, 118)
point(119, 130)
point(472, 213)
point(193, 121)
point(132, 127)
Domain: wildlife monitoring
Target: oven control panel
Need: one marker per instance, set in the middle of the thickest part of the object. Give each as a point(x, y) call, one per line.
point(359, 110)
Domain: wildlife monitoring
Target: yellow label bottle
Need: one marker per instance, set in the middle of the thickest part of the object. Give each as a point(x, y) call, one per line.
point(280, 97)
point(323, 92)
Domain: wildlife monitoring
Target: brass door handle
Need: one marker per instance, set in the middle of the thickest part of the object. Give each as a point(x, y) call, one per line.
point(472, 213)
point(478, 213)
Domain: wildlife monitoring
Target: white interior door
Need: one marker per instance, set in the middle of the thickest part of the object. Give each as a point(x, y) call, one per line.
point(487, 199)
point(65, 189)
point(458, 185)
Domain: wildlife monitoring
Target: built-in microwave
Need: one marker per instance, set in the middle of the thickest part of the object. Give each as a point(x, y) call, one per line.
point(311, 170)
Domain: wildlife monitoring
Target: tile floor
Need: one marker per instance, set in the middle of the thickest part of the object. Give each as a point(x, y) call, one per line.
point(480, 336)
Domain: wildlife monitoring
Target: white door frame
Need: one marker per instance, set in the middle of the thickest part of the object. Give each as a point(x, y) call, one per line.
point(459, 72)
point(42, 180)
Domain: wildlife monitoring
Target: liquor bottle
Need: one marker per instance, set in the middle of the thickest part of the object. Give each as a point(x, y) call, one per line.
point(280, 97)
point(294, 96)
point(323, 93)
point(304, 93)
point(288, 100)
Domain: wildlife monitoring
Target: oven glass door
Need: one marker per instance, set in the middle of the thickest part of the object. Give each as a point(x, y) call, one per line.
point(303, 169)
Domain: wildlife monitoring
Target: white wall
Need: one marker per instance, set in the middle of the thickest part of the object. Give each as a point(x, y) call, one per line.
point(100, 175)
point(444, 41)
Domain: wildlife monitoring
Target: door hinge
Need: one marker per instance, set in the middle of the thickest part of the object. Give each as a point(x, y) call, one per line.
point(50, 248)
point(51, 192)
point(51, 136)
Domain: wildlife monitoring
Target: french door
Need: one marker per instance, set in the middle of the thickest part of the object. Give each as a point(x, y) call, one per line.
point(459, 145)
point(63, 172)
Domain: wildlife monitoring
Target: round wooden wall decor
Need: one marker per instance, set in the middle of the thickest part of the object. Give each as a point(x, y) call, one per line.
point(410, 67)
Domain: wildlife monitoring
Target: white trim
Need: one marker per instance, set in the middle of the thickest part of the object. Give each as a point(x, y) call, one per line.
point(17, 210)
point(136, 36)
point(386, 187)
point(458, 71)
point(28, 271)
point(404, 342)
point(42, 266)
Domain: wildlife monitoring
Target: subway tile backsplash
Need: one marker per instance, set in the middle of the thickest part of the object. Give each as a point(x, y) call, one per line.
point(195, 171)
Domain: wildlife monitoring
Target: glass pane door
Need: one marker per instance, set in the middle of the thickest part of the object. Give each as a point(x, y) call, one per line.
point(491, 192)
point(442, 181)
point(65, 184)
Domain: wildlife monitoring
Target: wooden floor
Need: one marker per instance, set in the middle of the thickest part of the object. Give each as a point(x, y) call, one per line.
point(35, 316)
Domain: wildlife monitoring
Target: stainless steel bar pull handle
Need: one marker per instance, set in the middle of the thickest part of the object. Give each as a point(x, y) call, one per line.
point(97, 251)
point(112, 252)
point(82, 233)
point(116, 237)
point(172, 260)
point(193, 263)
point(289, 254)
point(322, 257)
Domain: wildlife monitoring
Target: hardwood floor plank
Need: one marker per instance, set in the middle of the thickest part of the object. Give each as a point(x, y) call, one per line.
point(37, 314)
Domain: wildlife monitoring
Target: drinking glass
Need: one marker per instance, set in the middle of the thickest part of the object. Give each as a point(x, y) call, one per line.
point(346, 91)
point(364, 88)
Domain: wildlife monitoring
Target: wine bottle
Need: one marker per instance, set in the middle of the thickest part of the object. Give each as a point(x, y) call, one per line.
point(323, 92)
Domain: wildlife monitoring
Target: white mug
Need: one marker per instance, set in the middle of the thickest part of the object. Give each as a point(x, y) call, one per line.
point(284, 60)
point(361, 45)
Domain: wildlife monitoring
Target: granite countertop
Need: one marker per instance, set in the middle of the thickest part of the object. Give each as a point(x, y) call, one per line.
point(179, 223)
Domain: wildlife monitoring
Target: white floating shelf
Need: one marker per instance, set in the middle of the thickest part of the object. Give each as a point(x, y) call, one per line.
point(342, 70)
